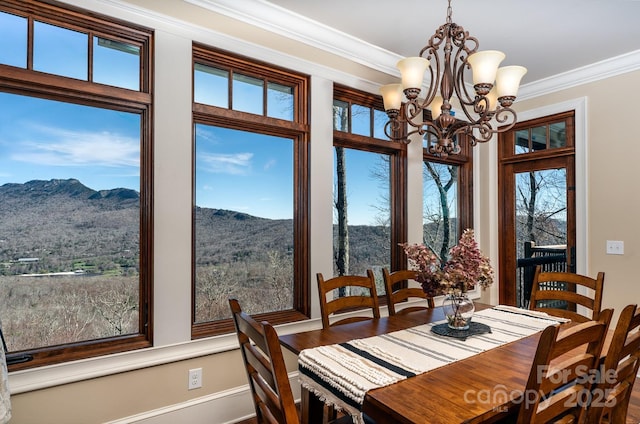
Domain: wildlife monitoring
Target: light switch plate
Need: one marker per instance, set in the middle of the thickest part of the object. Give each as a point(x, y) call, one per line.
point(615, 247)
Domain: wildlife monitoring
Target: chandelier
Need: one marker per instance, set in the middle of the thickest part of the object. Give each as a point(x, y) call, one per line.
point(487, 110)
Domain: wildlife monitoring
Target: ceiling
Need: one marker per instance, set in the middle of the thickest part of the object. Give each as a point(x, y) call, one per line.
point(548, 37)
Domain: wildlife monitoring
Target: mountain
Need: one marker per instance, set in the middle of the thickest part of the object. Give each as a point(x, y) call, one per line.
point(224, 236)
point(67, 226)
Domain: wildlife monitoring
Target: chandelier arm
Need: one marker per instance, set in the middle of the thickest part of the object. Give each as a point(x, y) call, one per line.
point(414, 109)
point(466, 46)
point(432, 130)
point(434, 62)
point(479, 115)
point(483, 133)
point(486, 132)
point(467, 101)
point(433, 82)
point(435, 40)
point(503, 114)
point(461, 87)
point(418, 130)
point(471, 118)
point(393, 127)
point(463, 127)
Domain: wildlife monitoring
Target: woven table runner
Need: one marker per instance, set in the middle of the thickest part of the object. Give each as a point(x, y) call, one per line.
point(341, 374)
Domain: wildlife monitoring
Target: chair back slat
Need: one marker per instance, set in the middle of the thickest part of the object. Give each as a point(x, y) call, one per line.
point(397, 291)
point(560, 376)
point(619, 372)
point(334, 306)
point(560, 294)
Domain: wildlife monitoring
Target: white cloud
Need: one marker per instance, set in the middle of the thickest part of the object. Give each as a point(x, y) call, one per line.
point(220, 163)
point(205, 134)
point(270, 164)
point(60, 147)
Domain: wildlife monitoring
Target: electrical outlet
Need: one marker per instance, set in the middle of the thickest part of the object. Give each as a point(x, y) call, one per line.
point(195, 378)
point(615, 247)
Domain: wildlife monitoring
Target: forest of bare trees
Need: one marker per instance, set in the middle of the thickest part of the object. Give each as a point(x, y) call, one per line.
point(46, 311)
point(541, 208)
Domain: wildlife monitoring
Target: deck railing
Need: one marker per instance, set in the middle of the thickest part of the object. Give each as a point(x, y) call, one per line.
point(550, 258)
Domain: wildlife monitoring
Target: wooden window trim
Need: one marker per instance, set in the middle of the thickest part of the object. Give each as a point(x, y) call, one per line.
point(506, 140)
point(397, 168)
point(509, 164)
point(88, 22)
point(37, 84)
point(298, 129)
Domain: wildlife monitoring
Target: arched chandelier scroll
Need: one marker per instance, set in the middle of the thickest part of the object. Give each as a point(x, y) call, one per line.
point(451, 52)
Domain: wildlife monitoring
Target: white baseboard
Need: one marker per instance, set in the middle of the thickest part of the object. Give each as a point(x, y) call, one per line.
point(226, 407)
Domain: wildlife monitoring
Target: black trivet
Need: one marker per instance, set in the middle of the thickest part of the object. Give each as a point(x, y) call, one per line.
point(475, 328)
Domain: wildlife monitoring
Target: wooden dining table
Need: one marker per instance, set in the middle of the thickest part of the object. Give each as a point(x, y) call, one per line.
point(483, 388)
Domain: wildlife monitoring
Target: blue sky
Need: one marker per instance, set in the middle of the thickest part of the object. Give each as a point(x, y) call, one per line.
point(366, 192)
point(43, 139)
point(246, 172)
point(253, 173)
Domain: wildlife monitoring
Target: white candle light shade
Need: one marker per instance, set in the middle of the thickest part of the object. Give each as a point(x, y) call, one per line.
point(412, 70)
point(436, 107)
point(391, 96)
point(508, 80)
point(484, 65)
point(492, 98)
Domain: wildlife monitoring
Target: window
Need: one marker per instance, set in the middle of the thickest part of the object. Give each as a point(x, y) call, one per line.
point(250, 219)
point(543, 137)
point(447, 197)
point(75, 186)
point(537, 202)
point(369, 188)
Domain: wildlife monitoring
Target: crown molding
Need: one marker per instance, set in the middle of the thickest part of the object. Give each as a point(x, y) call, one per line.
point(262, 14)
point(607, 68)
point(267, 16)
point(128, 11)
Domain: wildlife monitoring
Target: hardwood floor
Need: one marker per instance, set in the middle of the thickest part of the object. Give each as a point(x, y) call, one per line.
point(633, 415)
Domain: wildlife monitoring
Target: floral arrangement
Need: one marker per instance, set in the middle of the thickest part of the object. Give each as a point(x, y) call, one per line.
point(466, 267)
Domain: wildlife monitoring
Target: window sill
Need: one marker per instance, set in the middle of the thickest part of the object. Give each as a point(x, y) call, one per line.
point(54, 375)
point(69, 372)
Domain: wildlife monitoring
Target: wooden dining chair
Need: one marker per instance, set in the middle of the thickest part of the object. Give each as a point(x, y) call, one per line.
point(265, 367)
point(267, 372)
point(559, 381)
point(354, 298)
point(561, 293)
point(396, 293)
point(611, 394)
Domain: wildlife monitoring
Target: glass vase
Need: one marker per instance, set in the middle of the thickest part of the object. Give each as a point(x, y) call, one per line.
point(458, 309)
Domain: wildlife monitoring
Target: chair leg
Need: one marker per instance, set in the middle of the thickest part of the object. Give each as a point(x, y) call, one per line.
point(328, 414)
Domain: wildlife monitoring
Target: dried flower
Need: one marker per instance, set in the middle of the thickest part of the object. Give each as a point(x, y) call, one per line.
point(466, 267)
